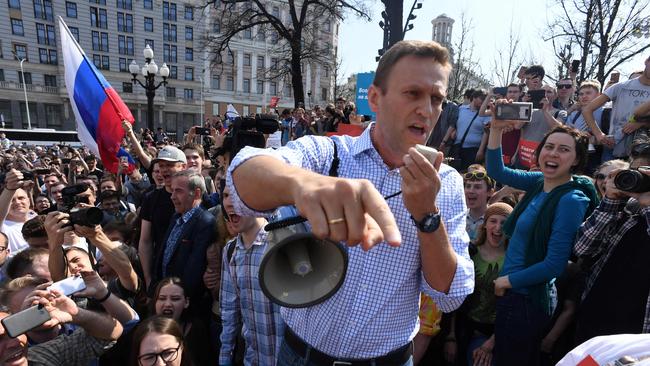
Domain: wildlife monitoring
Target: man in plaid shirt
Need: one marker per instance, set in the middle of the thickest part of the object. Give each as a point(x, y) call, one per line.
point(616, 239)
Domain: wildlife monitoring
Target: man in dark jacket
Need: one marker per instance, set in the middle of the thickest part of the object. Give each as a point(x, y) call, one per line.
point(191, 231)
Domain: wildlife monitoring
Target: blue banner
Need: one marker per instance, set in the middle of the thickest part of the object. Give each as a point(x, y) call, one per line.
point(364, 80)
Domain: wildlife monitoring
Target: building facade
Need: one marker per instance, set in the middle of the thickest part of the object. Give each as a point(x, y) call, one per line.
point(112, 33)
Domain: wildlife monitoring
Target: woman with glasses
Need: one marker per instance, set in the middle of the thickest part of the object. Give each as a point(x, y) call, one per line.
point(542, 229)
point(603, 171)
point(170, 301)
point(158, 339)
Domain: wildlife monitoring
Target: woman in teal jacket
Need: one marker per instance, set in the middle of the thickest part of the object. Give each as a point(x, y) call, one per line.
point(542, 229)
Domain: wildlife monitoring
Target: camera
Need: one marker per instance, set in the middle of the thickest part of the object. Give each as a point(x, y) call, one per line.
point(202, 131)
point(249, 131)
point(632, 180)
point(514, 111)
point(87, 216)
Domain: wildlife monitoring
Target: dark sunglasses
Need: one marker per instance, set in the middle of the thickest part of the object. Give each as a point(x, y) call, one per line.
point(564, 86)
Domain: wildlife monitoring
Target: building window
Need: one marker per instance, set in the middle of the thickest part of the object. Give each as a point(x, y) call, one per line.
point(149, 42)
point(122, 63)
point(230, 83)
point(260, 62)
point(100, 41)
point(247, 59)
point(247, 86)
point(14, 4)
point(248, 33)
point(273, 88)
point(98, 18)
point(215, 109)
point(75, 32)
point(125, 4)
point(189, 73)
point(50, 80)
point(189, 12)
point(216, 26)
point(100, 2)
point(147, 4)
point(70, 9)
point(28, 77)
point(170, 92)
point(189, 33)
point(2, 75)
point(127, 87)
point(188, 93)
point(261, 36)
point(173, 72)
point(216, 82)
point(148, 24)
point(21, 51)
point(169, 53)
point(260, 87)
point(125, 45)
point(125, 23)
point(46, 56)
point(327, 72)
point(274, 63)
point(17, 27)
point(43, 10)
point(189, 54)
point(54, 115)
point(230, 58)
point(169, 11)
point(327, 26)
point(169, 32)
point(287, 90)
point(324, 93)
point(45, 34)
point(53, 57)
point(106, 65)
point(276, 12)
point(97, 61)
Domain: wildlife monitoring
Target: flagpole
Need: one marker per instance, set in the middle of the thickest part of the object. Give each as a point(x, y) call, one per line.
point(83, 54)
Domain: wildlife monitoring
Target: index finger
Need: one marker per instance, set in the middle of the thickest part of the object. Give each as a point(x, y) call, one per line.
point(375, 205)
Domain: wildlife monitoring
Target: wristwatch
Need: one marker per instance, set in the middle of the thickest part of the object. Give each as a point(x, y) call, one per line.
point(429, 223)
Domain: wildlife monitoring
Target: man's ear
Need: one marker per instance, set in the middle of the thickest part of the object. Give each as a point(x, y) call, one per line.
point(374, 93)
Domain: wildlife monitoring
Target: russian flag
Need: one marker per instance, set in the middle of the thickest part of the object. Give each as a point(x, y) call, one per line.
point(97, 107)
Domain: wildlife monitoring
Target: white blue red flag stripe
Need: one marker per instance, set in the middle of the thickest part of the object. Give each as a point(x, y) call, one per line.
point(97, 107)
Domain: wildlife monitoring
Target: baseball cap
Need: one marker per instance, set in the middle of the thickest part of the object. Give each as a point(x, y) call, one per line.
point(171, 153)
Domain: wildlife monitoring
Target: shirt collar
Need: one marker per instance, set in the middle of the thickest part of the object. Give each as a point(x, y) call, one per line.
point(188, 215)
point(363, 142)
point(260, 239)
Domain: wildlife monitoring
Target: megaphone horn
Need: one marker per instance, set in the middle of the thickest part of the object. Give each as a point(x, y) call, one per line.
point(298, 269)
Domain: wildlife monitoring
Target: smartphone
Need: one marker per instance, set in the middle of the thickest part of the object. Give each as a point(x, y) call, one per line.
point(66, 160)
point(536, 97)
point(69, 285)
point(614, 77)
point(575, 65)
point(41, 171)
point(202, 131)
point(514, 111)
point(25, 320)
point(502, 91)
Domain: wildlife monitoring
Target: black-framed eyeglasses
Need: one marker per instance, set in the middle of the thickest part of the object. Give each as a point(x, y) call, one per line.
point(167, 355)
point(564, 86)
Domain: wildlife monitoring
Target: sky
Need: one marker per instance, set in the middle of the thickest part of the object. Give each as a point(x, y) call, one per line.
point(359, 39)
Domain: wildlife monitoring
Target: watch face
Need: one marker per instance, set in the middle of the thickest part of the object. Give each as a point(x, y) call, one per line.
point(429, 223)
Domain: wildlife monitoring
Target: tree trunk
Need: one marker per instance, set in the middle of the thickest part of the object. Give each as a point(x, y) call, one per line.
point(296, 76)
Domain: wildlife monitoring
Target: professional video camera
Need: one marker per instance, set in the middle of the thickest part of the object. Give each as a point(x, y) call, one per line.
point(249, 131)
point(86, 216)
point(632, 180)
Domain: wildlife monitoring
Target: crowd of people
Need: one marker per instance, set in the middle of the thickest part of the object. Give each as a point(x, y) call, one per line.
point(516, 244)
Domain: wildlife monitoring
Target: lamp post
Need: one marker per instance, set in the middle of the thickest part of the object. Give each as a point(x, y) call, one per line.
point(22, 73)
point(201, 79)
point(149, 71)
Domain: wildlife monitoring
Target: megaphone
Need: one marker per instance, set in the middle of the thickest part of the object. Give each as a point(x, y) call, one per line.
point(299, 270)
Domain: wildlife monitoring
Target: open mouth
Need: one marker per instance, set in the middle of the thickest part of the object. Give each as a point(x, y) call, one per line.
point(552, 166)
point(418, 131)
point(234, 218)
point(168, 312)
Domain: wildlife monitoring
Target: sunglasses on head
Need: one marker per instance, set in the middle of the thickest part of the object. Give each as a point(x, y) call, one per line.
point(478, 175)
point(564, 86)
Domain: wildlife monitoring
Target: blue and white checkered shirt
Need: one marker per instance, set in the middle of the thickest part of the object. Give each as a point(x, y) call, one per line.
point(376, 309)
point(244, 304)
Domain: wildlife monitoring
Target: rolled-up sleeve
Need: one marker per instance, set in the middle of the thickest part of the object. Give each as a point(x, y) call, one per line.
point(451, 201)
point(310, 152)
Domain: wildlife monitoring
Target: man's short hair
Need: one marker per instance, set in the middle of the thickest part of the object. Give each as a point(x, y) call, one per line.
point(194, 180)
point(479, 93)
point(196, 147)
point(21, 264)
point(536, 70)
point(341, 99)
point(34, 228)
point(515, 85)
point(468, 93)
point(17, 284)
point(423, 49)
point(590, 84)
point(90, 158)
point(109, 194)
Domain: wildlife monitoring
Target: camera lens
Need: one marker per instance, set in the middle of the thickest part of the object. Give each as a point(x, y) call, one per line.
point(90, 216)
point(632, 181)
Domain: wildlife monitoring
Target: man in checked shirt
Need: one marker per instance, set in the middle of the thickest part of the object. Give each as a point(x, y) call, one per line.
point(399, 247)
